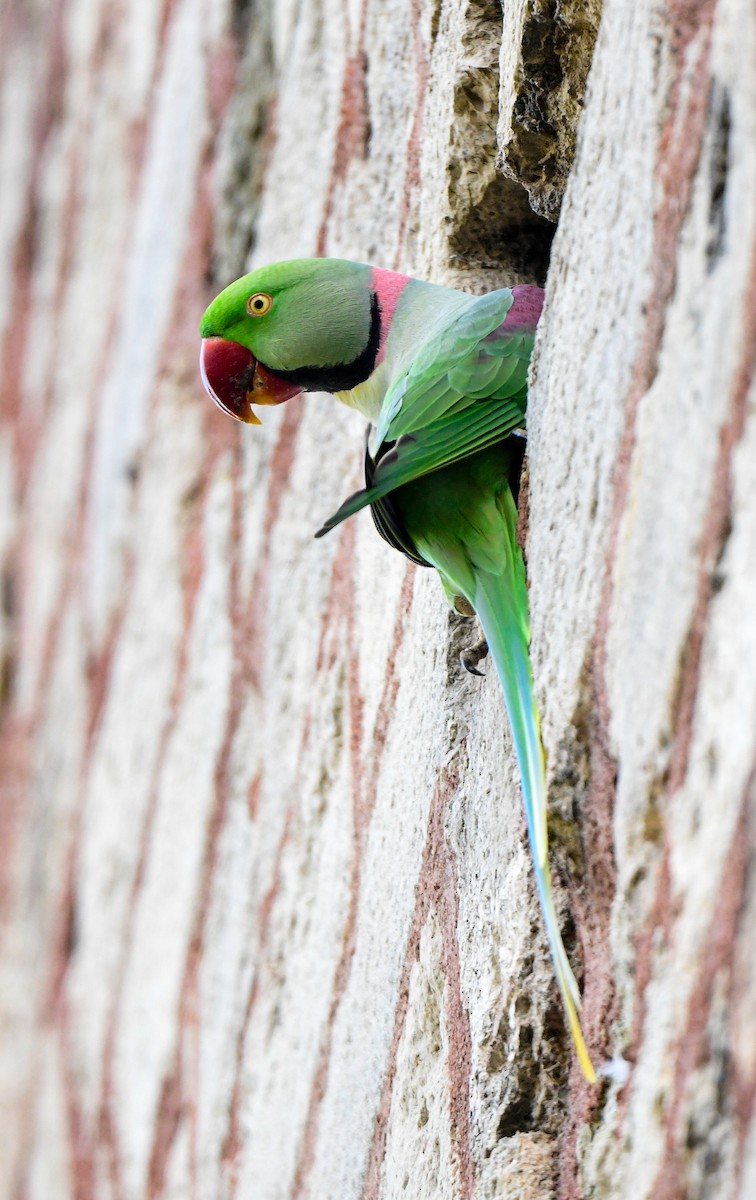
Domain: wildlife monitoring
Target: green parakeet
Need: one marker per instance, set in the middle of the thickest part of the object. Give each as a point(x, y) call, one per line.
point(443, 377)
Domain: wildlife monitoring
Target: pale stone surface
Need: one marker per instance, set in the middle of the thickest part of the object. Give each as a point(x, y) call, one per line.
point(267, 919)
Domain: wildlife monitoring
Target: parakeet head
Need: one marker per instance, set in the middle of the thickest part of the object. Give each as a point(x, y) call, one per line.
point(302, 325)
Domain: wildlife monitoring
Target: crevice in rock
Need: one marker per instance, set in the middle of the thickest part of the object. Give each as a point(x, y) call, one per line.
point(491, 225)
point(542, 89)
point(719, 110)
point(521, 1076)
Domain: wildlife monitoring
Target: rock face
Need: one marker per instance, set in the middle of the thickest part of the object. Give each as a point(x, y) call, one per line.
point(267, 920)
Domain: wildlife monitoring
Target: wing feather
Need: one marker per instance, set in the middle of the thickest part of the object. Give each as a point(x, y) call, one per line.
point(413, 400)
point(443, 443)
point(465, 390)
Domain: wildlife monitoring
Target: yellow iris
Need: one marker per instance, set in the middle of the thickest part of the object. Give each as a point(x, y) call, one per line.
point(259, 304)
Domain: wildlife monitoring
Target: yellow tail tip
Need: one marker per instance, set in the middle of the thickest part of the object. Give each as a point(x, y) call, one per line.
point(586, 1066)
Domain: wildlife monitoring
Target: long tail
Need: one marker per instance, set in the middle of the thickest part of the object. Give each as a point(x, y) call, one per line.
point(504, 622)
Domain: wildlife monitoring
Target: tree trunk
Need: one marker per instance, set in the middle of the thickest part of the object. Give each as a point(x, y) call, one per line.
point(268, 926)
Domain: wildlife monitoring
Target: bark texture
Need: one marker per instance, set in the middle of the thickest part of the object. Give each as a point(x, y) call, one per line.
point(268, 928)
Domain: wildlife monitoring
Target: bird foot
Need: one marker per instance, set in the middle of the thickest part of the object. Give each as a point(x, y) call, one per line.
point(475, 654)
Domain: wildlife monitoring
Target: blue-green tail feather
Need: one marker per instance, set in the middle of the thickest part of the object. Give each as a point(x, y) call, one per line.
point(482, 560)
point(507, 643)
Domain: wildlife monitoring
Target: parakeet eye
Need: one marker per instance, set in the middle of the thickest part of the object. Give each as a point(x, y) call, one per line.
point(259, 304)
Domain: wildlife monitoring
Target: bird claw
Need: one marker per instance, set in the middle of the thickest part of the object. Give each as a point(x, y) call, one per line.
point(475, 654)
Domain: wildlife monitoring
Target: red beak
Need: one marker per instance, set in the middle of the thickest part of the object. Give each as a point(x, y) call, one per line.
point(227, 371)
point(233, 379)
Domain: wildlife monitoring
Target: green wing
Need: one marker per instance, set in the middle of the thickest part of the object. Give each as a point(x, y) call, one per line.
point(424, 392)
point(465, 390)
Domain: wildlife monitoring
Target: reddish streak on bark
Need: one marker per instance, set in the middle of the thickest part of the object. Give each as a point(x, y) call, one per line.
point(221, 77)
point(354, 123)
point(98, 669)
point(15, 734)
point(81, 1154)
point(280, 464)
point(590, 902)
point(252, 612)
point(341, 613)
point(189, 999)
point(677, 158)
point(29, 425)
point(166, 1122)
point(340, 609)
point(351, 135)
point(715, 962)
point(412, 154)
point(14, 345)
point(713, 538)
point(100, 658)
point(387, 699)
point(253, 796)
point(459, 1058)
point(232, 1141)
point(659, 917)
point(437, 889)
point(170, 1112)
point(334, 617)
